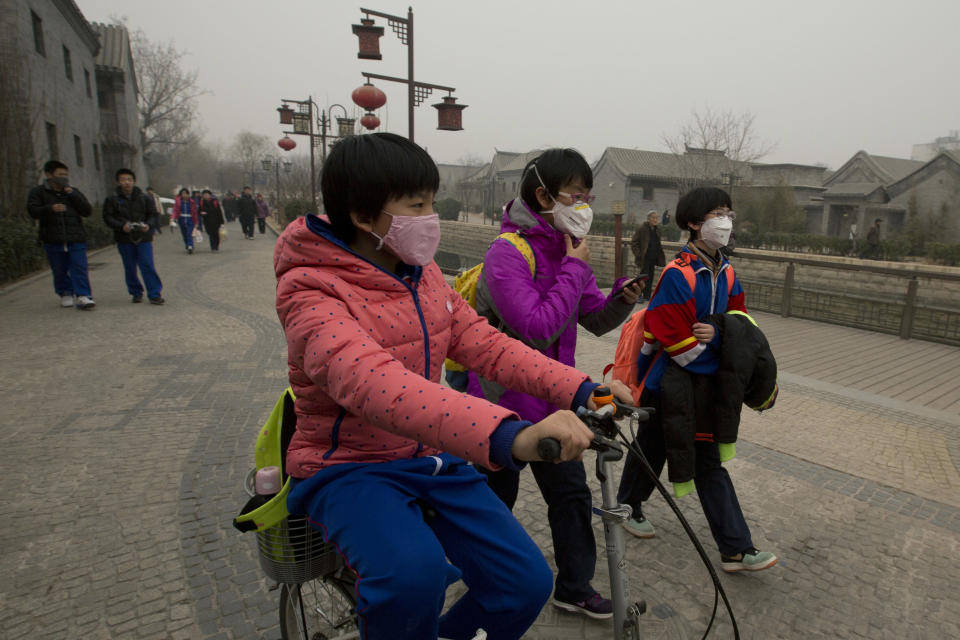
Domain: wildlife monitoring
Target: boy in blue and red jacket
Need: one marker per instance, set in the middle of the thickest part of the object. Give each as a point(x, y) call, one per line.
point(677, 335)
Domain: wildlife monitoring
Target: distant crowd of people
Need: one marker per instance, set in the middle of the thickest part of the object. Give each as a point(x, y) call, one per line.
point(134, 216)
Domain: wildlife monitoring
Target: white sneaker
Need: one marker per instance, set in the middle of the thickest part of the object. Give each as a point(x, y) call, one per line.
point(66, 301)
point(85, 302)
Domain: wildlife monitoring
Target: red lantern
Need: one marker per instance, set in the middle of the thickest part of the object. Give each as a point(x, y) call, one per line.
point(370, 121)
point(286, 143)
point(450, 114)
point(369, 97)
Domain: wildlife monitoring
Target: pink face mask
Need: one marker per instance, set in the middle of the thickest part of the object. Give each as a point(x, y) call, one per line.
point(413, 239)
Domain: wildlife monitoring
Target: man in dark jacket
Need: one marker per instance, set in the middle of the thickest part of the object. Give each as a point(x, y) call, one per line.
point(59, 208)
point(133, 217)
point(230, 206)
point(647, 250)
point(247, 209)
point(211, 213)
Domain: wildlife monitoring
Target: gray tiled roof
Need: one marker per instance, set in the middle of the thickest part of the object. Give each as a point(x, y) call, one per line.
point(636, 162)
point(851, 189)
point(897, 168)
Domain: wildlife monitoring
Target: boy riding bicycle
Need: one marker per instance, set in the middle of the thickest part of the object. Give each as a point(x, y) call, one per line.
point(369, 320)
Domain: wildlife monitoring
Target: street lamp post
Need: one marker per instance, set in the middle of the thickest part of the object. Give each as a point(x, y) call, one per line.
point(274, 161)
point(368, 34)
point(303, 124)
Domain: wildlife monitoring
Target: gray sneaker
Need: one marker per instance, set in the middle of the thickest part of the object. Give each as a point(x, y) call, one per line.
point(752, 560)
point(639, 527)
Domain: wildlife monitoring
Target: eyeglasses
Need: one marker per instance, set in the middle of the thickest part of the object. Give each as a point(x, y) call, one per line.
point(585, 198)
point(723, 213)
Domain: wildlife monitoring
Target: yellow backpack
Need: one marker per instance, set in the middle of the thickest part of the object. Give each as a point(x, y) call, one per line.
point(466, 283)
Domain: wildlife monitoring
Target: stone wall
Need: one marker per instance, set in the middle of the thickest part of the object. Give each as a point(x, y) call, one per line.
point(860, 293)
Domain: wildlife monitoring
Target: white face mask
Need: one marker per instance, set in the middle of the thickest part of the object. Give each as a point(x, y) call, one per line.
point(715, 232)
point(574, 219)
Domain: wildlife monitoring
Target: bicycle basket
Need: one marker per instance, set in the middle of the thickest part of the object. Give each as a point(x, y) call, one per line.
point(293, 552)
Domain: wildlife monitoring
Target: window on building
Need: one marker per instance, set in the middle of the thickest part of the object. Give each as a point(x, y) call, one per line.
point(67, 64)
point(96, 157)
point(38, 34)
point(86, 83)
point(648, 193)
point(78, 150)
point(53, 150)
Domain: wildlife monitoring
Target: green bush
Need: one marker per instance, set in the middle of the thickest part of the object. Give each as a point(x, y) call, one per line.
point(21, 253)
point(448, 209)
point(941, 253)
point(293, 210)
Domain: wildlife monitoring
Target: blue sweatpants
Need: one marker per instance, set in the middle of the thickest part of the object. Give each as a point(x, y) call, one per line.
point(139, 255)
point(186, 229)
point(69, 266)
point(369, 512)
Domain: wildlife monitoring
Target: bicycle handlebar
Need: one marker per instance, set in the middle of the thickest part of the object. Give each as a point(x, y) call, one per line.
point(600, 422)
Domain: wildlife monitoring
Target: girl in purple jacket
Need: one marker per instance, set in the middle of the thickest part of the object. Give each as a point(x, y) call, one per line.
point(553, 215)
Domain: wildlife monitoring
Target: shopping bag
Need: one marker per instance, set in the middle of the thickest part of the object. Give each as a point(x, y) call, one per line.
point(223, 233)
point(197, 235)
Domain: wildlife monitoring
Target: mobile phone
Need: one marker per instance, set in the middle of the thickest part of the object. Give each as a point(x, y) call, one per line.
point(643, 277)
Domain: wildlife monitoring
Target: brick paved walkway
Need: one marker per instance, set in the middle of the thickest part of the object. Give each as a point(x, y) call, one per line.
point(126, 431)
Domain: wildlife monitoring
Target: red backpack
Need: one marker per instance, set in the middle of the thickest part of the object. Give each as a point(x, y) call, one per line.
point(624, 365)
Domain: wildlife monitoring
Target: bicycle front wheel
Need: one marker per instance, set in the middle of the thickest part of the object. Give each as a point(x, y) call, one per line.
point(321, 609)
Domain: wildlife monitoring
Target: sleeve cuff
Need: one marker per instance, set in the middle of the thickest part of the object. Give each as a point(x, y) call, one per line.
point(501, 444)
point(583, 394)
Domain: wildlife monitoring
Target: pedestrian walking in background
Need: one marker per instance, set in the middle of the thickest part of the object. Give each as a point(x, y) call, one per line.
point(159, 207)
point(872, 250)
point(212, 215)
point(247, 210)
point(647, 250)
point(553, 217)
point(263, 210)
point(133, 217)
point(230, 206)
point(686, 366)
point(60, 210)
point(186, 216)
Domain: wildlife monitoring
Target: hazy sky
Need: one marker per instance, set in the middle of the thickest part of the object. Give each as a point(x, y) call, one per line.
point(824, 78)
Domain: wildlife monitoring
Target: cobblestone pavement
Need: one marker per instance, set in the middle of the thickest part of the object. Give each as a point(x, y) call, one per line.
point(126, 432)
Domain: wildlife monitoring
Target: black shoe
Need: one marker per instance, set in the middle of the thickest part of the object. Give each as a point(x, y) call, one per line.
point(137, 299)
point(157, 300)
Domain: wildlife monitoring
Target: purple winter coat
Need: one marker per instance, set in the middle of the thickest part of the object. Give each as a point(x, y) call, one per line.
point(543, 311)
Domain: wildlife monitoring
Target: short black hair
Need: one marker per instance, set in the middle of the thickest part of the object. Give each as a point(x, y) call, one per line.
point(149, 188)
point(207, 191)
point(363, 172)
point(124, 171)
point(245, 188)
point(878, 220)
point(182, 189)
point(52, 165)
point(694, 206)
point(556, 167)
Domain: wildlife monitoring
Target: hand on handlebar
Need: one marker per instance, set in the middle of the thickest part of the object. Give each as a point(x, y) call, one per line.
point(564, 426)
point(620, 391)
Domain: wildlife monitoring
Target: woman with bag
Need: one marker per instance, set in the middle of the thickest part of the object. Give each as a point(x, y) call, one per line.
point(213, 218)
point(185, 215)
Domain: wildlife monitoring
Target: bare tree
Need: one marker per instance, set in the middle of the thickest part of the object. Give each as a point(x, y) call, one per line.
point(248, 150)
point(716, 147)
point(168, 95)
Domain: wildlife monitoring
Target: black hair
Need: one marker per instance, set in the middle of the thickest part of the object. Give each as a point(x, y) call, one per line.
point(878, 220)
point(363, 172)
point(207, 191)
point(52, 165)
point(182, 189)
point(149, 188)
point(556, 167)
point(124, 171)
point(694, 206)
point(245, 188)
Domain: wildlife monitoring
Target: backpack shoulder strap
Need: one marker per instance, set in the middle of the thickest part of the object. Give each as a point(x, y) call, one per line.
point(521, 244)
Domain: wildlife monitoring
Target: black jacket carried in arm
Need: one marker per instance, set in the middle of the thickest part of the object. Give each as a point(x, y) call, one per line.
point(58, 227)
point(703, 407)
point(119, 209)
point(247, 207)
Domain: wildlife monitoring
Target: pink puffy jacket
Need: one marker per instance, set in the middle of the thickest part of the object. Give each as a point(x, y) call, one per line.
point(365, 351)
